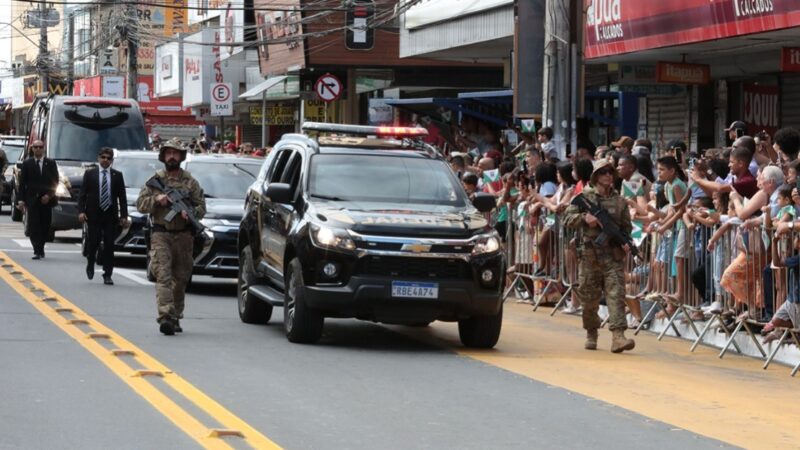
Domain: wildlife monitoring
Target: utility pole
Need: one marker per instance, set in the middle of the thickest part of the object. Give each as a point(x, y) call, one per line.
point(133, 48)
point(42, 65)
point(71, 50)
point(557, 76)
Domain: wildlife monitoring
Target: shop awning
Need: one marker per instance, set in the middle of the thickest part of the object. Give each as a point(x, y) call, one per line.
point(254, 94)
point(490, 106)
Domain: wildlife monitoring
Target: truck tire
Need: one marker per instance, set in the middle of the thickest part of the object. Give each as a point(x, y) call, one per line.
point(302, 324)
point(481, 331)
point(251, 309)
point(16, 214)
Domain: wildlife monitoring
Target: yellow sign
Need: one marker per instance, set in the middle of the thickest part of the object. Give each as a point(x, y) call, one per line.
point(284, 113)
point(277, 114)
point(319, 111)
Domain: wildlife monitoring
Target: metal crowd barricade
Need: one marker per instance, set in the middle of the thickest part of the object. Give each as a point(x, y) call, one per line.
point(659, 286)
point(533, 248)
point(730, 274)
point(784, 284)
point(743, 278)
point(689, 267)
point(567, 254)
point(718, 259)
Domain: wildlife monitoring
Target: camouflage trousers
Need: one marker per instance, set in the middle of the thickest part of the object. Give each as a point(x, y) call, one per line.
point(602, 272)
point(171, 263)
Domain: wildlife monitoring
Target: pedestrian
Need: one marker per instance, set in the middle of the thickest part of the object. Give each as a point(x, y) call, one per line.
point(156, 142)
point(736, 130)
point(3, 166)
point(38, 180)
point(601, 268)
point(102, 205)
point(171, 243)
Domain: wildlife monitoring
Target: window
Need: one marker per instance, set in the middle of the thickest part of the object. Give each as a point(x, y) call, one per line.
point(384, 179)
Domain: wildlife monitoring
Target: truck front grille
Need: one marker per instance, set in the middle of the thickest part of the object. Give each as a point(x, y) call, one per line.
point(409, 267)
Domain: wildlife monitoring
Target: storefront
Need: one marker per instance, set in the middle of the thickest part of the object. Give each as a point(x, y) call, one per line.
point(699, 64)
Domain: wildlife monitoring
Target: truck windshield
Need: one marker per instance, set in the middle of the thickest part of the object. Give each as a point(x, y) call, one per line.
point(385, 179)
point(225, 180)
point(78, 132)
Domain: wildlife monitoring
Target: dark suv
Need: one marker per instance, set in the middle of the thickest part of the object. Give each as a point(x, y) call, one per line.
point(369, 223)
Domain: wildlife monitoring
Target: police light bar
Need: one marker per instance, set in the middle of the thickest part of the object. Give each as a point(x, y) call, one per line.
point(361, 130)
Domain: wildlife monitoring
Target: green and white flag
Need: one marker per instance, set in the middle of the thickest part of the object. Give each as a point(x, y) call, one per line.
point(528, 125)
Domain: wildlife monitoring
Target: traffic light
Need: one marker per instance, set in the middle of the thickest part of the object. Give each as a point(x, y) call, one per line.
point(360, 34)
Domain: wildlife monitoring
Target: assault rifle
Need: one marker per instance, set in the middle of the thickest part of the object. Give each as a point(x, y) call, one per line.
point(610, 229)
point(179, 202)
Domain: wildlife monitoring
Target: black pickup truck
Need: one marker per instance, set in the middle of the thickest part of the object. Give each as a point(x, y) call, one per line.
point(368, 223)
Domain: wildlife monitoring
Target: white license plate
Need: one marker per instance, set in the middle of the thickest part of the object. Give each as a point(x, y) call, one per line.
point(415, 290)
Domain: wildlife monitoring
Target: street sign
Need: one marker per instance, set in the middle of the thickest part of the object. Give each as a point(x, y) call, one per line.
point(328, 88)
point(221, 99)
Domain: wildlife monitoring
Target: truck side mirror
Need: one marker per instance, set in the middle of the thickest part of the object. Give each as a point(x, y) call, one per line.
point(484, 202)
point(279, 193)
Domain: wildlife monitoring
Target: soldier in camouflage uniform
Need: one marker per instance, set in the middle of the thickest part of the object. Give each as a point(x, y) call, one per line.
point(601, 269)
point(171, 242)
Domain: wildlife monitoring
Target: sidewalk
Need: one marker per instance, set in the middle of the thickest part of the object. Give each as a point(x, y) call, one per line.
point(730, 399)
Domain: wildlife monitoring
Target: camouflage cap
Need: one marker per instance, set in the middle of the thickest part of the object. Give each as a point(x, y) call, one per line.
point(174, 144)
point(599, 165)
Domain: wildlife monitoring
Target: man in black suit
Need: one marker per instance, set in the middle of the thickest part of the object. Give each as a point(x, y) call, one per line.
point(102, 204)
point(38, 180)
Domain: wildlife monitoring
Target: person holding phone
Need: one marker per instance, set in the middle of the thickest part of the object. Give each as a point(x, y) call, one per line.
point(736, 130)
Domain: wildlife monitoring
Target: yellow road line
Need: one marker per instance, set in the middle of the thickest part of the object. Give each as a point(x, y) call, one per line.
point(139, 380)
point(732, 400)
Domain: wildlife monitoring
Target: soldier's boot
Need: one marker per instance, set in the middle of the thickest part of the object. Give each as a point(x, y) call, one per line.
point(167, 327)
point(619, 342)
point(591, 340)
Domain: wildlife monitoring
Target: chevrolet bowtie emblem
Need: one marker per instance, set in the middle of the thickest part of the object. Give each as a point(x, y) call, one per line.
point(416, 248)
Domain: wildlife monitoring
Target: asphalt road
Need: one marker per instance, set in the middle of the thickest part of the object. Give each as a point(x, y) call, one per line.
point(364, 386)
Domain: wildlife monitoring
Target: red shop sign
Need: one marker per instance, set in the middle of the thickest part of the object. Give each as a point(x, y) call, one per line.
point(615, 27)
point(681, 73)
point(761, 108)
point(790, 59)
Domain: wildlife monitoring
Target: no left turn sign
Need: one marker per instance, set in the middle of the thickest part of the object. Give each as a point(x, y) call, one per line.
point(328, 88)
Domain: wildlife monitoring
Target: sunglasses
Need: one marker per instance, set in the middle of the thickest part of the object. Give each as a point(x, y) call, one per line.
point(106, 157)
point(36, 146)
point(605, 172)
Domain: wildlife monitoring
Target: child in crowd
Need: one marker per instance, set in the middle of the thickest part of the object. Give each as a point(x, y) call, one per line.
point(676, 191)
point(780, 244)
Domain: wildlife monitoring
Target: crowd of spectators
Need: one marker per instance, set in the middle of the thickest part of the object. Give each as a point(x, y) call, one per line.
point(205, 145)
point(685, 201)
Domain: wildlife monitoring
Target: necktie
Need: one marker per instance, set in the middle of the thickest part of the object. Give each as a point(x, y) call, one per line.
point(39, 165)
point(105, 197)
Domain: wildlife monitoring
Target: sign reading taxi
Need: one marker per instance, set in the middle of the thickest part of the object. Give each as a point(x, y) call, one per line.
point(221, 99)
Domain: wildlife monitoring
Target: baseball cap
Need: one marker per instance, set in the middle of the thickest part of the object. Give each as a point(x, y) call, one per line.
point(737, 125)
point(676, 143)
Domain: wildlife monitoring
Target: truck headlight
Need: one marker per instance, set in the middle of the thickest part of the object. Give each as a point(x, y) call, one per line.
point(325, 237)
point(486, 243)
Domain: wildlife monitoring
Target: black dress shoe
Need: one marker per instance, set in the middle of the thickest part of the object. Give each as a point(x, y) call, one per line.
point(107, 280)
point(36, 257)
point(90, 270)
point(167, 327)
point(178, 328)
